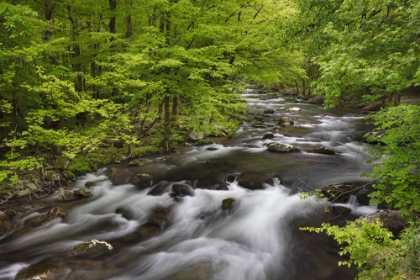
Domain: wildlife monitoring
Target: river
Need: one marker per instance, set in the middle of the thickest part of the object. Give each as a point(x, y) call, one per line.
point(156, 236)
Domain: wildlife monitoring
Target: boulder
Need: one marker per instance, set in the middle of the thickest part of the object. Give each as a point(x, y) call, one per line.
point(182, 190)
point(268, 136)
point(57, 212)
point(286, 121)
point(391, 220)
point(82, 193)
point(37, 220)
point(363, 197)
point(90, 248)
point(135, 163)
point(211, 149)
point(321, 150)
point(90, 184)
point(142, 180)
point(281, 108)
point(230, 178)
point(125, 212)
point(65, 195)
point(253, 181)
point(281, 148)
point(195, 136)
point(22, 193)
point(4, 216)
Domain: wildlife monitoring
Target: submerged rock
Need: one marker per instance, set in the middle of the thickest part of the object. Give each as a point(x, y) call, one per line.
point(321, 150)
point(92, 247)
point(44, 270)
point(281, 148)
point(269, 111)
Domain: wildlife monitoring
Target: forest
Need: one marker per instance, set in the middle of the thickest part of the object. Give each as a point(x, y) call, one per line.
point(87, 83)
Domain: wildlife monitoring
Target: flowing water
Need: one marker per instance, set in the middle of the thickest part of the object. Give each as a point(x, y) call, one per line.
point(157, 236)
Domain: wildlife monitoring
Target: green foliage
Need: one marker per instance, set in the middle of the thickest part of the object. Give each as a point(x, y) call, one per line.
point(370, 248)
point(374, 251)
point(396, 162)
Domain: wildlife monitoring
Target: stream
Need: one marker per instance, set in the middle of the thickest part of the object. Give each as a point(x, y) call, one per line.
point(158, 236)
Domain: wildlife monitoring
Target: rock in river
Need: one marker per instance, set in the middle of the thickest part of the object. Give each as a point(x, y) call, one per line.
point(281, 148)
point(286, 121)
point(91, 247)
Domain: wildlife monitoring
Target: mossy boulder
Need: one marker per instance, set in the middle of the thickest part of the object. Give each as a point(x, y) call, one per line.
point(253, 181)
point(91, 247)
point(65, 195)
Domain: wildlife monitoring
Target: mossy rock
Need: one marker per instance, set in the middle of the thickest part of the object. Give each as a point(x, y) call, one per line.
point(50, 175)
point(253, 181)
point(228, 204)
point(92, 247)
point(44, 270)
point(5, 227)
point(61, 163)
point(11, 212)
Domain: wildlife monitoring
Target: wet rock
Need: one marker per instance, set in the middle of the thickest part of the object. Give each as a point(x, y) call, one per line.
point(228, 204)
point(363, 197)
point(44, 270)
point(82, 193)
point(90, 248)
point(391, 219)
point(211, 149)
point(268, 136)
point(198, 271)
point(281, 148)
point(37, 221)
point(125, 212)
point(294, 109)
point(253, 181)
point(339, 210)
point(182, 190)
point(57, 212)
point(286, 121)
point(203, 142)
point(281, 108)
point(90, 184)
point(259, 118)
point(321, 150)
point(65, 195)
point(5, 227)
point(219, 186)
point(230, 178)
point(269, 111)
point(317, 99)
point(374, 137)
point(159, 218)
point(142, 180)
